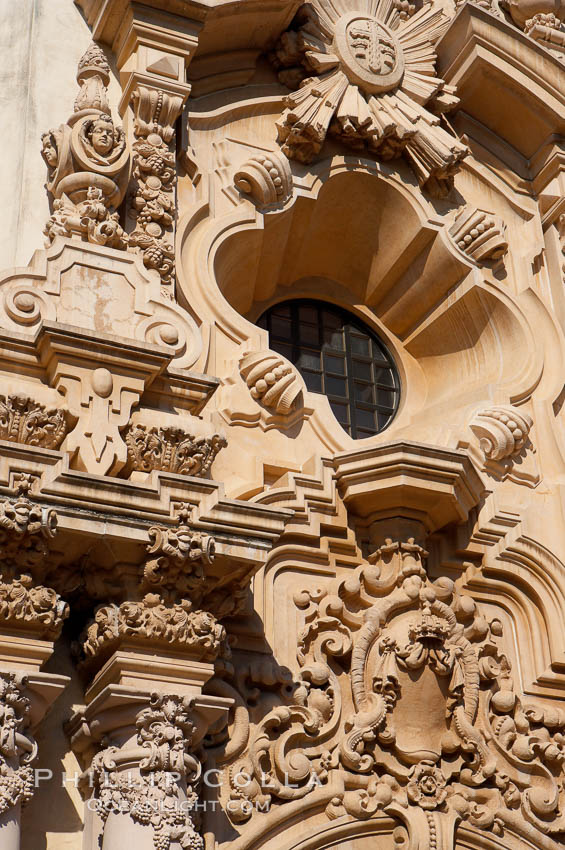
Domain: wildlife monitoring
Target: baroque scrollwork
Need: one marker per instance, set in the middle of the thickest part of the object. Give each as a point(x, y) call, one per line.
point(23, 420)
point(503, 435)
point(376, 647)
point(161, 791)
point(88, 162)
point(365, 74)
point(171, 449)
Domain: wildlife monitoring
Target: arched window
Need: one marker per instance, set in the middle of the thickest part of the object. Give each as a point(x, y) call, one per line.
point(339, 356)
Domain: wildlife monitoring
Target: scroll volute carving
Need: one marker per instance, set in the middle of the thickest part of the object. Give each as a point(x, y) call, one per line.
point(88, 162)
point(377, 647)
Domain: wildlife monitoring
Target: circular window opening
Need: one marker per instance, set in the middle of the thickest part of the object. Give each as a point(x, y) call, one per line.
point(339, 356)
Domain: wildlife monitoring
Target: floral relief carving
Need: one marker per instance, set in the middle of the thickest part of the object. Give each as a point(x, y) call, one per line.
point(88, 163)
point(177, 557)
point(17, 748)
point(162, 792)
point(272, 380)
point(171, 449)
point(23, 420)
point(366, 75)
point(378, 645)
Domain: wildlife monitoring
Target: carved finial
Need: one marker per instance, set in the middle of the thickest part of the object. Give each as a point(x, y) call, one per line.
point(88, 163)
point(93, 76)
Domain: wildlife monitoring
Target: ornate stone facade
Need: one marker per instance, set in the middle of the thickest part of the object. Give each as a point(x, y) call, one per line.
point(282, 425)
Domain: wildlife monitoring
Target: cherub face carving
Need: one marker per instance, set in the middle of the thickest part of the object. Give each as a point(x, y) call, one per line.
point(101, 135)
point(49, 150)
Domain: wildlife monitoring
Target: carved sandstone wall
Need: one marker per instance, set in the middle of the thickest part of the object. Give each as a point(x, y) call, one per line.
point(226, 619)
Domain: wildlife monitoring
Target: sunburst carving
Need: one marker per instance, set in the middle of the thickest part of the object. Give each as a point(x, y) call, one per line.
point(365, 73)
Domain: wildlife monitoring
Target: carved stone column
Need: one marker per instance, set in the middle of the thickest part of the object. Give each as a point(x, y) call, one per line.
point(31, 617)
point(149, 657)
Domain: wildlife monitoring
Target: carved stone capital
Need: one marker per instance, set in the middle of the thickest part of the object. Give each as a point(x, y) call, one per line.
point(148, 778)
point(153, 622)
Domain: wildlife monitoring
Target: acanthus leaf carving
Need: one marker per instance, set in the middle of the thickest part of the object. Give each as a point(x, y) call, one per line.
point(266, 178)
point(368, 78)
point(376, 646)
point(479, 234)
point(177, 558)
point(88, 163)
point(23, 420)
point(171, 449)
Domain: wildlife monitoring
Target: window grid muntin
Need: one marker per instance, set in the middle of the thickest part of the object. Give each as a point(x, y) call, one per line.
point(305, 332)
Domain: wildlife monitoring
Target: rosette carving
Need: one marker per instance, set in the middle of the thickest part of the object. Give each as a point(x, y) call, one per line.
point(171, 449)
point(366, 75)
point(152, 621)
point(88, 162)
point(23, 420)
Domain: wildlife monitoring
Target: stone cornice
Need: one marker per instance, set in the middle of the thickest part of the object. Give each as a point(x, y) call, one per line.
point(431, 485)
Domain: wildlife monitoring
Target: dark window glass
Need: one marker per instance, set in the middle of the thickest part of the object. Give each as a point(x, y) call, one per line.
point(339, 356)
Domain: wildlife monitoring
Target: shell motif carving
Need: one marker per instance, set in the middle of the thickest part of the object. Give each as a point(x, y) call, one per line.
point(479, 234)
point(266, 178)
point(271, 379)
point(502, 431)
